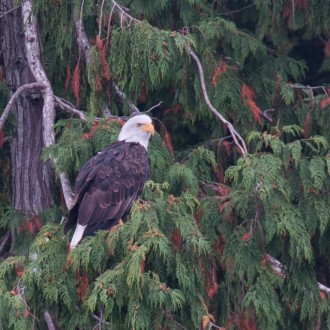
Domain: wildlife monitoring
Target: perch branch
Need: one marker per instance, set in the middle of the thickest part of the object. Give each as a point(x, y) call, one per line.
point(14, 97)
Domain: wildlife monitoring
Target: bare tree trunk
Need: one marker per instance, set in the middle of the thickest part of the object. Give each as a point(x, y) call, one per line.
point(32, 179)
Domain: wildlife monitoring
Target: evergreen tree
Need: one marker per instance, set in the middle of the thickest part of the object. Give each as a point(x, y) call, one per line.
point(232, 229)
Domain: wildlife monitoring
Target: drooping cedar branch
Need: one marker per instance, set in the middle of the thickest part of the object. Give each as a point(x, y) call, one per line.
point(14, 97)
point(48, 114)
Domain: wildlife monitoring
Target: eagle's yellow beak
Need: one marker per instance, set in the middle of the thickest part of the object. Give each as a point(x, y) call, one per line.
point(149, 128)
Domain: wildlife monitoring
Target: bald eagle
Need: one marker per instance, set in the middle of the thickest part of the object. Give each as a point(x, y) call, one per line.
point(109, 183)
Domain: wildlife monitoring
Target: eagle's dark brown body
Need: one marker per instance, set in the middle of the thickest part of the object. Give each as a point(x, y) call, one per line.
point(107, 186)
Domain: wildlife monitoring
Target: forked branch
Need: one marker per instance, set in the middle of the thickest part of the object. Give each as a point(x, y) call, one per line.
point(33, 55)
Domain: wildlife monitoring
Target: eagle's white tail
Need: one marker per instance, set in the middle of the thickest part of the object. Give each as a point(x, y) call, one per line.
point(77, 236)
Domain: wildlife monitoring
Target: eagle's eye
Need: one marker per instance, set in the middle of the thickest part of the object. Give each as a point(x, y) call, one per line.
point(139, 124)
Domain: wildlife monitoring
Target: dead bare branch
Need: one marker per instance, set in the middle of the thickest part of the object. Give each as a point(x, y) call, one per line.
point(100, 19)
point(99, 320)
point(122, 98)
point(14, 97)
point(84, 45)
point(267, 117)
point(125, 18)
point(212, 325)
point(153, 107)
point(238, 10)
point(277, 268)
point(3, 13)
point(49, 321)
point(4, 240)
point(69, 108)
point(239, 141)
point(7, 139)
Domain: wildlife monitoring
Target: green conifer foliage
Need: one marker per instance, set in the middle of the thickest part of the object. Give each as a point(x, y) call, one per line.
point(201, 248)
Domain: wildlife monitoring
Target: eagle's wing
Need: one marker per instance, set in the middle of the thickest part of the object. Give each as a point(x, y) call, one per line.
point(107, 185)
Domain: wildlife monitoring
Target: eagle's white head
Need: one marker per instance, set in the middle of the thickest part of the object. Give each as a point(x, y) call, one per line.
point(137, 129)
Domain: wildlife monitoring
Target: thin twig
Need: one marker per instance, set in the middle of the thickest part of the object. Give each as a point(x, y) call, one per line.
point(82, 40)
point(14, 97)
point(238, 10)
point(81, 13)
point(100, 19)
point(154, 106)
point(109, 28)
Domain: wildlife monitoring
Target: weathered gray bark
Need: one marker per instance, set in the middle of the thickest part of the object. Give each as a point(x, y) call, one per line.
point(32, 179)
